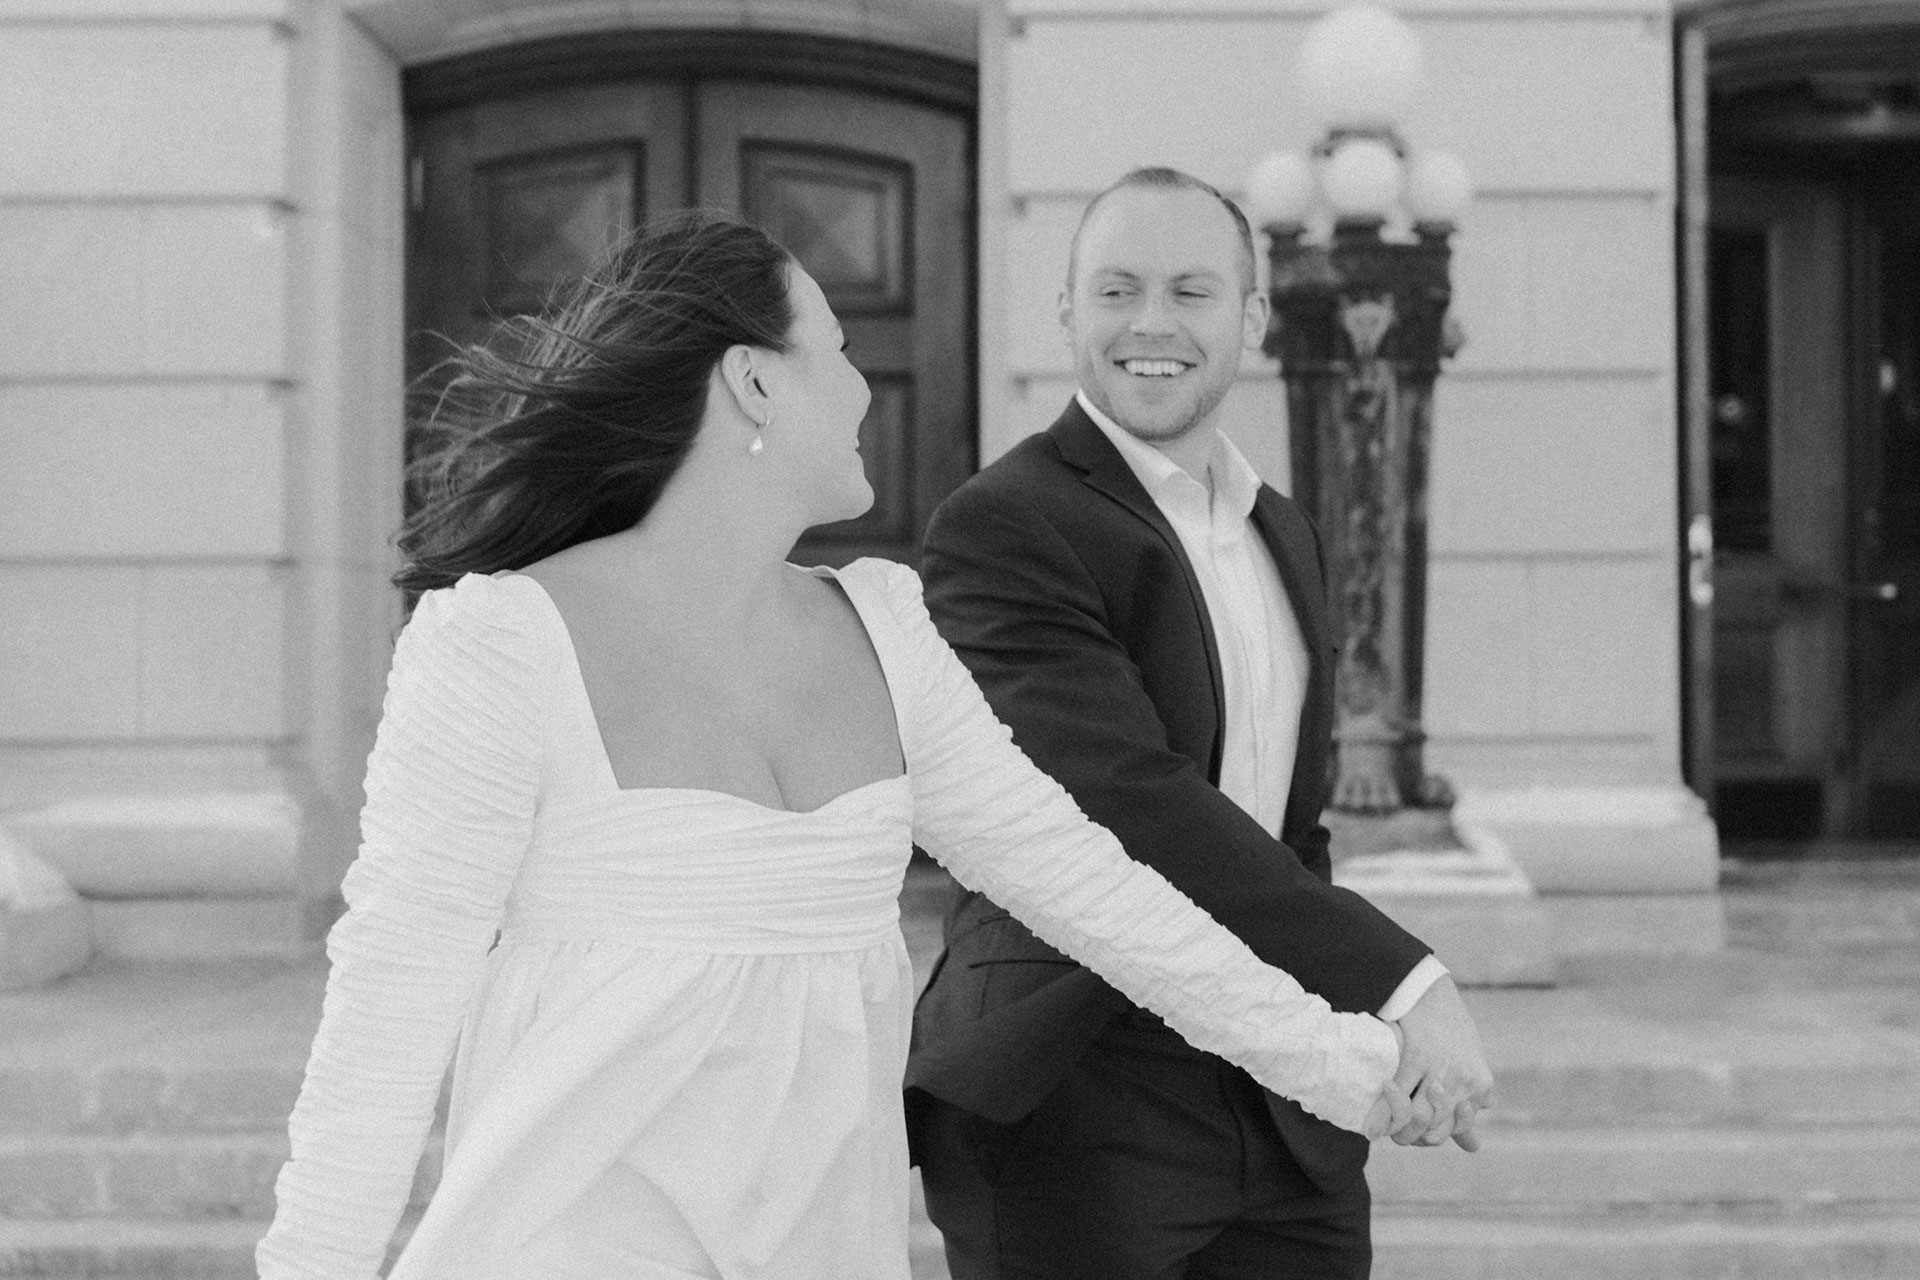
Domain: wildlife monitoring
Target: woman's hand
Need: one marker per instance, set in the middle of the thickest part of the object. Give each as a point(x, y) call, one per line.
point(1393, 1109)
point(1390, 1112)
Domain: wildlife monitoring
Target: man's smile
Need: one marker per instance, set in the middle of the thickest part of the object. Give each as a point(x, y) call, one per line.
point(1159, 368)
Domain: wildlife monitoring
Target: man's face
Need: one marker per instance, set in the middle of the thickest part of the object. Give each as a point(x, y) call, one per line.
point(1158, 311)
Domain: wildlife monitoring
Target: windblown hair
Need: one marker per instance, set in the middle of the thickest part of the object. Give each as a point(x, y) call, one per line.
point(566, 427)
point(1161, 178)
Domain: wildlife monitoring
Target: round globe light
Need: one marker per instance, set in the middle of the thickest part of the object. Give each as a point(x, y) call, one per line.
point(1280, 190)
point(1360, 67)
point(1438, 189)
point(1362, 180)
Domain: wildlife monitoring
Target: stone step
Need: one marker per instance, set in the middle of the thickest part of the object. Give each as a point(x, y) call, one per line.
point(1617, 1167)
point(203, 928)
point(1703, 1090)
point(129, 1250)
point(214, 1176)
point(1679, 1095)
point(153, 1097)
point(154, 1176)
point(1839, 1244)
point(140, 1176)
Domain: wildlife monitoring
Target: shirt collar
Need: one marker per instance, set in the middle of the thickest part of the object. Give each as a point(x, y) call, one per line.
point(1236, 483)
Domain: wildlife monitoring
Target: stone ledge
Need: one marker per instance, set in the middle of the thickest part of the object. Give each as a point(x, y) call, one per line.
point(1472, 904)
point(1862, 1245)
point(202, 928)
point(216, 843)
point(1602, 839)
point(1592, 926)
point(1480, 866)
point(1484, 942)
point(46, 931)
point(118, 1249)
point(1654, 1166)
point(39, 945)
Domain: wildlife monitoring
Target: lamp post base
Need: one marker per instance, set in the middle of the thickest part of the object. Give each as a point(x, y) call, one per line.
point(1401, 831)
point(1457, 888)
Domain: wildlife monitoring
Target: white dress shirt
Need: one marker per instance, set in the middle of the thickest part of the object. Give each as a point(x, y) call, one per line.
point(1263, 656)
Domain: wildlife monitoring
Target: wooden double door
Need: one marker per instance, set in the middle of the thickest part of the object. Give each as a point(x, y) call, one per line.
point(1814, 432)
point(872, 194)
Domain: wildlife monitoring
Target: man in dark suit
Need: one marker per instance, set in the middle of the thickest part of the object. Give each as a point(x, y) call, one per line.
point(1150, 620)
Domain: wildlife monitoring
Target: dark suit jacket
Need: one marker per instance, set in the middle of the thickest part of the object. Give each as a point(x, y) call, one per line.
point(1068, 595)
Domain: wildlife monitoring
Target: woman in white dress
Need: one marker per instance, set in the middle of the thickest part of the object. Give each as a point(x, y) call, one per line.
point(637, 819)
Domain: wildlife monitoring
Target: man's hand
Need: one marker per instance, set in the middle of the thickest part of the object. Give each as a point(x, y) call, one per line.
point(1445, 1070)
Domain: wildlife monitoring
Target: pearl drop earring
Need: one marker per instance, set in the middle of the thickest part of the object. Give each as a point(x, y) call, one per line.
point(759, 442)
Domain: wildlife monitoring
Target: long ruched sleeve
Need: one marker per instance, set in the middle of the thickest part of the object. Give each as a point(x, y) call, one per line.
point(1006, 829)
point(451, 790)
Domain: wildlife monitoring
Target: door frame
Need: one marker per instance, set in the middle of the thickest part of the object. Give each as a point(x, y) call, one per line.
point(914, 75)
point(1739, 44)
point(1696, 408)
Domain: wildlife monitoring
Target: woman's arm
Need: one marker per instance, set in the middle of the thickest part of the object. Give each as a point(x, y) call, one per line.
point(451, 788)
point(1007, 830)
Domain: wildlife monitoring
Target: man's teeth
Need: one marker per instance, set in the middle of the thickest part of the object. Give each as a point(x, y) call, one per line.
point(1154, 368)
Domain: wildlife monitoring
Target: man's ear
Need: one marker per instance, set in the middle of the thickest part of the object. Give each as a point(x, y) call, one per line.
point(1259, 309)
point(1066, 315)
point(743, 383)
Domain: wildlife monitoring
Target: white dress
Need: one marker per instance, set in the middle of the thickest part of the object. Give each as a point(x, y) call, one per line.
point(683, 1057)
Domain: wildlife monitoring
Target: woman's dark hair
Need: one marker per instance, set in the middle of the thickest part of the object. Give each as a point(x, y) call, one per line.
point(566, 427)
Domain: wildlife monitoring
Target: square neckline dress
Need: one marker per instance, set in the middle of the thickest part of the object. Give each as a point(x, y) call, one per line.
point(682, 1016)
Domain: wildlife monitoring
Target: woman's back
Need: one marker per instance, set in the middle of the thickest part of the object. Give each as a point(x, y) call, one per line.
point(773, 693)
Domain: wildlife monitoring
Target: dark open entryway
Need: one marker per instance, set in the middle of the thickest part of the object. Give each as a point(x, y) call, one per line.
point(1802, 138)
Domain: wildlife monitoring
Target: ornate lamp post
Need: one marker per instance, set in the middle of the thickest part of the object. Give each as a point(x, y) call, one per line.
point(1360, 326)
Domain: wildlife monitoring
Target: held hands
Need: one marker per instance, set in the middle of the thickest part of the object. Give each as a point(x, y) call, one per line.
point(1392, 1111)
point(1443, 1077)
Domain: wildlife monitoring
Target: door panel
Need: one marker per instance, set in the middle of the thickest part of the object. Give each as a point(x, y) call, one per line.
point(518, 194)
point(846, 215)
point(1779, 431)
point(875, 207)
point(544, 218)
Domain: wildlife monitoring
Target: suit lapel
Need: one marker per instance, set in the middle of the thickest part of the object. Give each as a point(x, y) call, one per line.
point(1290, 541)
point(1103, 470)
point(1298, 564)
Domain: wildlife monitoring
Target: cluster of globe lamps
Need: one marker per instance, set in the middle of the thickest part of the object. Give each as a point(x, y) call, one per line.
point(1359, 69)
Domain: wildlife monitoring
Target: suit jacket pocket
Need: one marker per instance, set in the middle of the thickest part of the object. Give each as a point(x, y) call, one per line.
point(1011, 964)
point(1001, 937)
point(1006, 982)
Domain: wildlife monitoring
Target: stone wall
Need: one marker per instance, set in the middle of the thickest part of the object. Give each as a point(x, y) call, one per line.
point(1553, 644)
point(199, 425)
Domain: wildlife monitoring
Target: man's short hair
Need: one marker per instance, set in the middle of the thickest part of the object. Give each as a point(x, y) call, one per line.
point(1162, 178)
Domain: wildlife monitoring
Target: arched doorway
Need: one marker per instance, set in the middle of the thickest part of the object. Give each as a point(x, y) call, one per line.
point(1802, 155)
point(525, 162)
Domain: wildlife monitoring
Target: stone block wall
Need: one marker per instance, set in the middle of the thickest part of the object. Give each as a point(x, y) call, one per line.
point(1553, 641)
point(186, 423)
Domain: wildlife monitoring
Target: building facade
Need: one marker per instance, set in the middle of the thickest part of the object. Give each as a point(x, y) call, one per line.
point(224, 225)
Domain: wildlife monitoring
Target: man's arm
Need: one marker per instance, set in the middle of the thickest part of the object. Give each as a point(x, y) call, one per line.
point(1017, 603)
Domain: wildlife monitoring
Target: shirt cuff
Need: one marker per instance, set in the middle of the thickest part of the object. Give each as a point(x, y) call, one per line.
point(1411, 988)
